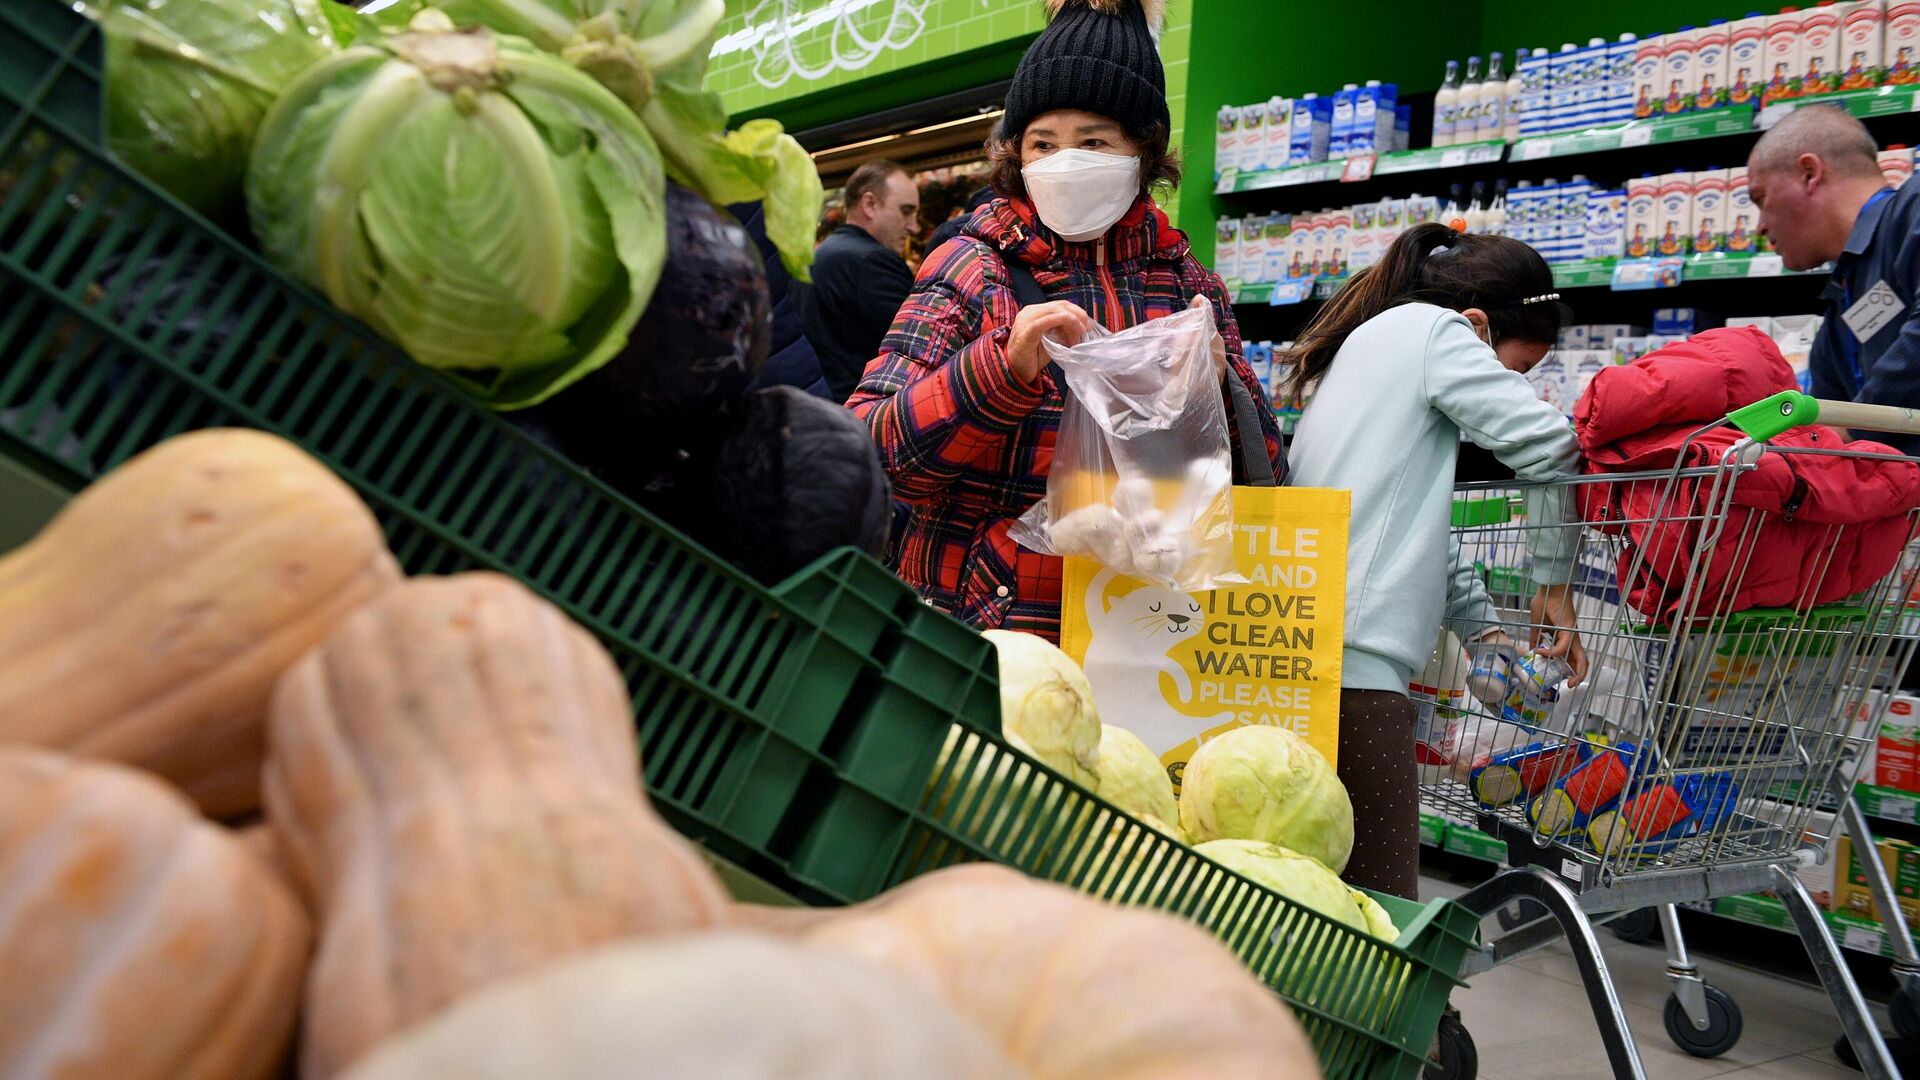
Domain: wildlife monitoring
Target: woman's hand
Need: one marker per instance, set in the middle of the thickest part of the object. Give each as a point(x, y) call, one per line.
point(1060, 318)
point(1553, 607)
point(1217, 343)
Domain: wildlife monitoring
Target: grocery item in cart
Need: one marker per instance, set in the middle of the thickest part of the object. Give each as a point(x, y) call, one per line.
point(1517, 775)
point(1533, 689)
point(1142, 477)
point(1653, 819)
point(1593, 786)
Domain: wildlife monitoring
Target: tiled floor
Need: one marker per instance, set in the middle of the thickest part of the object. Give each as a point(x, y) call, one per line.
point(1530, 1019)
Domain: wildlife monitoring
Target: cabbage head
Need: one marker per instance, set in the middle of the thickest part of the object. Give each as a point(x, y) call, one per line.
point(1130, 777)
point(1046, 705)
point(1300, 878)
point(1379, 923)
point(188, 81)
point(480, 203)
point(1266, 783)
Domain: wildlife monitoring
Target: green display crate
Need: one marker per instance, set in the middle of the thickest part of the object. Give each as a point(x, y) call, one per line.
point(795, 733)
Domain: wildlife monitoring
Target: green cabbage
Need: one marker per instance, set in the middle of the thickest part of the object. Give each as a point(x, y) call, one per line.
point(653, 54)
point(187, 82)
point(1132, 778)
point(1300, 878)
point(1047, 704)
point(1266, 783)
point(1379, 923)
point(480, 203)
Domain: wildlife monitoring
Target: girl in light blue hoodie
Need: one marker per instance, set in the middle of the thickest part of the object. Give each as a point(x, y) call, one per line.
point(1426, 346)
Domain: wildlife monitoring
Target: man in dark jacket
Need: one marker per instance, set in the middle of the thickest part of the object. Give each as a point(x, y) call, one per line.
point(859, 277)
point(791, 360)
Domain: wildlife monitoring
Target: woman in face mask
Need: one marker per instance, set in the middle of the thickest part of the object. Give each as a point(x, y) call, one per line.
point(960, 400)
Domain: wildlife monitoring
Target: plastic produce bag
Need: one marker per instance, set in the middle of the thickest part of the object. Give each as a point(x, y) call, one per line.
point(1142, 477)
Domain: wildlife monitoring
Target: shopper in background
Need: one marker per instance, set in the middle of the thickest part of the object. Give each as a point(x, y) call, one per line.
point(1426, 346)
point(951, 227)
point(960, 399)
point(1817, 182)
point(859, 276)
point(791, 360)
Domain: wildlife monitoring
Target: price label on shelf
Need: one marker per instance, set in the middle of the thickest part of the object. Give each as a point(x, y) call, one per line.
point(1291, 291)
point(1358, 168)
point(1533, 148)
point(1766, 266)
point(1636, 135)
point(1864, 939)
point(1454, 158)
point(1896, 808)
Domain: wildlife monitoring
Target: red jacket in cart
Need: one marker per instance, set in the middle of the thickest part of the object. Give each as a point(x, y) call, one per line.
point(1802, 528)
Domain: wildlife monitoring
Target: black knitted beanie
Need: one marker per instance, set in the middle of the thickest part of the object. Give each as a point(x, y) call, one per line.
point(1098, 56)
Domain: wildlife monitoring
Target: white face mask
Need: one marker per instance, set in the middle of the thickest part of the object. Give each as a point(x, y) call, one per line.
point(1080, 193)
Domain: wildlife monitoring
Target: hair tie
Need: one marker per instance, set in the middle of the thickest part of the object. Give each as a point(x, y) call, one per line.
point(1458, 225)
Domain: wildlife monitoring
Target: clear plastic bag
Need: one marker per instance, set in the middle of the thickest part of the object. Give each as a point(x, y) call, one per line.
point(1142, 476)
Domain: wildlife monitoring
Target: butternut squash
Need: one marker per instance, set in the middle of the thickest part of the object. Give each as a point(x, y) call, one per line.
point(1072, 988)
point(138, 941)
point(148, 621)
point(453, 780)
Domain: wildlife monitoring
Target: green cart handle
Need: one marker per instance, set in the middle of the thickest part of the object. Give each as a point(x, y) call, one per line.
point(1790, 409)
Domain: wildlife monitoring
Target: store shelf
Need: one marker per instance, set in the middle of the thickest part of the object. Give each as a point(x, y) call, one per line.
point(1600, 273)
point(1855, 933)
point(1233, 181)
point(1428, 159)
point(1425, 159)
point(1714, 123)
point(1587, 274)
point(1887, 804)
point(1881, 101)
point(1284, 293)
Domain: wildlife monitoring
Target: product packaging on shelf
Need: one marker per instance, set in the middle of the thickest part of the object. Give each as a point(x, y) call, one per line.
point(1851, 893)
point(1340, 136)
point(1322, 244)
point(1795, 335)
point(1674, 322)
point(1643, 216)
point(1896, 752)
point(1820, 50)
point(1253, 137)
point(1590, 91)
point(1278, 133)
point(1226, 249)
point(1746, 59)
point(1562, 75)
point(1901, 50)
point(1275, 246)
point(1549, 379)
point(1373, 118)
point(1402, 127)
point(1783, 57)
point(1896, 164)
point(1862, 27)
point(1709, 211)
point(1300, 247)
point(1679, 77)
point(1606, 224)
point(1339, 242)
point(1649, 63)
point(1710, 65)
point(1366, 236)
point(1226, 140)
point(1673, 223)
point(1312, 130)
point(1619, 79)
point(1743, 218)
point(1536, 72)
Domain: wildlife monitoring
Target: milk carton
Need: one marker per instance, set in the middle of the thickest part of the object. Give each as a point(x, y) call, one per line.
point(1253, 137)
point(1373, 119)
point(1679, 71)
point(1251, 260)
point(1709, 211)
point(1746, 59)
point(1643, 217)
point(1606, 224)
point(1820, 50)
point(1619, 98)
point(1581, 367)
point(1901, 53)
point(1783, 58)
point(1312, 130)
point(1279, 133)
point(1300, 247)
point(1402, 128)
point(1862, 27)
point(1226, 140)
point(1896, 756)
point(1275, 247)
point(1391, 222)
point(1549, 379)
point(1536, 74)
point(1562, 81)
point(1743, 218)
point(1340, 139)
point(1673, 223)
point(1366, 236)
point(1339, 243)
point(1226, 248)
point(1322, 244)
point(1649, 62)
point(1711, 62)
point(1896, 164)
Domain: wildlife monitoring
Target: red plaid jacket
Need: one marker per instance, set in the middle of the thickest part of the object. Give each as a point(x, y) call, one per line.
point(967, 444)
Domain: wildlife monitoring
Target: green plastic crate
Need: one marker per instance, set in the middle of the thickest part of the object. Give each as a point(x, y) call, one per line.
point(797, 733)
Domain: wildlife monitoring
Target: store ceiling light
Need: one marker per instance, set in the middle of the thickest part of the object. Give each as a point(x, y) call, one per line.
point(991, 115)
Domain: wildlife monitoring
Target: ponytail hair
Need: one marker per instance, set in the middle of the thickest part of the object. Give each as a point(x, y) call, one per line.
point(1433, 264)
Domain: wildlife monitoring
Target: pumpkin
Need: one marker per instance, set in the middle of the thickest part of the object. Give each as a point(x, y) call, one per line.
point(139, 941)
point(1071, 988)
point(453, 781)
point(728, 1004)
point(148, 621)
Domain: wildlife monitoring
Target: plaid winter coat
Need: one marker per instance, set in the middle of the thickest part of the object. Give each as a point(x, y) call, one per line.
point(967, 444)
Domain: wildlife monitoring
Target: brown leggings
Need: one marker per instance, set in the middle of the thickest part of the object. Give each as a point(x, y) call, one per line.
point(1377, 766)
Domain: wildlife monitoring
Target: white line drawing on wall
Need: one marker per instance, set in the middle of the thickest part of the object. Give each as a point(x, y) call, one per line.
point(774, 29)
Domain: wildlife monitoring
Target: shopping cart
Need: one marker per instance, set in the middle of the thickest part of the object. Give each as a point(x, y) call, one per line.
point(1695, 760)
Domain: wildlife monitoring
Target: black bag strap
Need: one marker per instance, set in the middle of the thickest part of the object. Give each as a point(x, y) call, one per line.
point(1255, 466)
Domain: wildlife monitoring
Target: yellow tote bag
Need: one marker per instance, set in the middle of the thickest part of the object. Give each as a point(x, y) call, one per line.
point(1179, 668)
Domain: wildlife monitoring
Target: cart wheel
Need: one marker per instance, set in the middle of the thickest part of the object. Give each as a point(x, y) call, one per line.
point(1723, 1025)
point(1520, 913)
point(1904, 1011)
point(1641, 924)
point(1454, 1057)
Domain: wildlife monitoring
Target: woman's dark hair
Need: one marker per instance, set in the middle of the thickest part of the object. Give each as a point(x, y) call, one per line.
point(1159, 163)
point(1433, 264)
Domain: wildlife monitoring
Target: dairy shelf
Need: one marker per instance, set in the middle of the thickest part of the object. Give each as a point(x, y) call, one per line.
point(1655, 131)
point(1424, 159)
